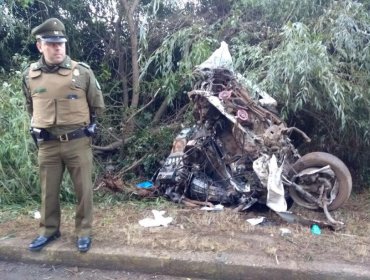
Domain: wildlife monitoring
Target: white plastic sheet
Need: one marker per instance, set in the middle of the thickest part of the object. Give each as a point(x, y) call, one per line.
point(220, 58)
point(269, 174)
point(158, 220)
point(275, 188)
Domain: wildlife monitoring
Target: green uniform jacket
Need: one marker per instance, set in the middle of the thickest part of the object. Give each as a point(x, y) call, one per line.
point(84, 79)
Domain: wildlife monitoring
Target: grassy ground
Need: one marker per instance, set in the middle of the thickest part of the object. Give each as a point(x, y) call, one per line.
point(226, 231)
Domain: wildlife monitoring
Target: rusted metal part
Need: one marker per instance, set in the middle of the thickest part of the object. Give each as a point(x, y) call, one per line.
point(304, 135)
point(254, 107)
point(189, 204)
point(291, 217)
point(306, 195)
point(337, 225)
point(189, 201)
point(321, 201)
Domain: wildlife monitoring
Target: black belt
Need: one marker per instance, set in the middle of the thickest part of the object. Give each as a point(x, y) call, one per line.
point(78, 133)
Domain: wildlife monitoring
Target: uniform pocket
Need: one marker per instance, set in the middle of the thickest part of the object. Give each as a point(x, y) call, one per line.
point(72, 111)
point(43, 112)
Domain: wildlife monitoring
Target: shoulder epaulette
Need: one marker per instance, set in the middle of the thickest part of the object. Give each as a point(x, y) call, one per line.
point(84, 65)
point(26, 68)
point(35, 66)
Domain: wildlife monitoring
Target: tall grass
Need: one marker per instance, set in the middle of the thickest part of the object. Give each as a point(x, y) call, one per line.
point(18, 162)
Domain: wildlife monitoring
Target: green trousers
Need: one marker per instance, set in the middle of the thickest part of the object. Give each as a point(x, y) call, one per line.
point(54, 157)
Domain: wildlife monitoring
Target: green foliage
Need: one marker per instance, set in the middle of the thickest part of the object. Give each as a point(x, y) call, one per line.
point(13, 31)
point(11, 212)
point(299, 71)
point(317, 67)
point(18, 167)
point(171, 65)
point(311, 55)
point(151, 147)
point(107, 200)
point(278, 12)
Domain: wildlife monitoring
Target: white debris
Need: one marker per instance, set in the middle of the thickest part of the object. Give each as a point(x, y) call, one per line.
point(260, 167)
point(158, 220)
point(220, 58)
point(285, 231)
point(37, 215)
point(218, 207)
point(255, 221)
point(275, 188)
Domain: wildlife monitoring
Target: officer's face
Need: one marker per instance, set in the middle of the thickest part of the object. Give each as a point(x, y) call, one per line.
point(54, 53)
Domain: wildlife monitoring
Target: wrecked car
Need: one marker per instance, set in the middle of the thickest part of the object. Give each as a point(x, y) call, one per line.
point(239, 153)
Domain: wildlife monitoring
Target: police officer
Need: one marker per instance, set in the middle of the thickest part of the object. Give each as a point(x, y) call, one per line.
point(62, 95)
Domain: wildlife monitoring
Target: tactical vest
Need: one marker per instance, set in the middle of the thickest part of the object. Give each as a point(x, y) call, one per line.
point(58, 98)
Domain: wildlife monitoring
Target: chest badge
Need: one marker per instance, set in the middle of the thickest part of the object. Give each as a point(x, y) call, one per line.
point(76, 72)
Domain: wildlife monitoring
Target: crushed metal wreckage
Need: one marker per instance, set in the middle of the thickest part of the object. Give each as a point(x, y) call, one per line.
point(239, 153)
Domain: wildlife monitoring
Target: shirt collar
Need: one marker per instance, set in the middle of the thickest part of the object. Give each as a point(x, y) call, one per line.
point(66, 63)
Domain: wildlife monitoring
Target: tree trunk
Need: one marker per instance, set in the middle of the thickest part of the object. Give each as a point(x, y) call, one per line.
point(121, 61)
point(162, 109)
point(129, 13)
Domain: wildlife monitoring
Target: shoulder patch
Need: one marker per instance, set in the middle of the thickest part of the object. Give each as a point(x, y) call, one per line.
point(84, 65)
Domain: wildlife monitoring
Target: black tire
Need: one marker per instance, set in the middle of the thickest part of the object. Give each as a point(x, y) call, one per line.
point(320, 159)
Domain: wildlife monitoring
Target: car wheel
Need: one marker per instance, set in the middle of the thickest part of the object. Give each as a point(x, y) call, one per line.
point(340, 185)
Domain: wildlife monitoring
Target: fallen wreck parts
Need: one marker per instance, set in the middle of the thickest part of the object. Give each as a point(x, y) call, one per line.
point(239, 153)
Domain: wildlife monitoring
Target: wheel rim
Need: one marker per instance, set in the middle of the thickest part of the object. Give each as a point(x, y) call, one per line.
point(320, 185)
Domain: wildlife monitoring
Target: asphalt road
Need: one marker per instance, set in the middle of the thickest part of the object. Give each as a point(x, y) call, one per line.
point(17, 271)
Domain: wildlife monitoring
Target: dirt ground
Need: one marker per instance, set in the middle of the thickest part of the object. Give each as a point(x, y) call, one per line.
point(223, 231)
